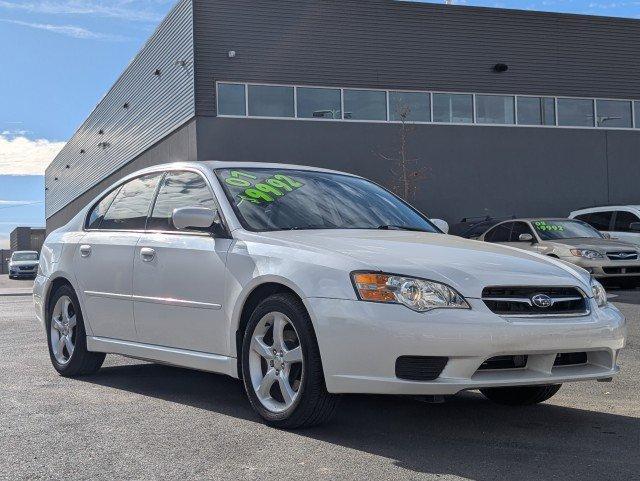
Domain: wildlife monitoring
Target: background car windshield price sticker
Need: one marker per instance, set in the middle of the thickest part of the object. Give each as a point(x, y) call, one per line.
point(263, 191)
point(542, 225)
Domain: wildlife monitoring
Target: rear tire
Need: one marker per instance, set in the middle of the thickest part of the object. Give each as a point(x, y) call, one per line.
point(520, 395)
point(286, 387)
point(67, 338)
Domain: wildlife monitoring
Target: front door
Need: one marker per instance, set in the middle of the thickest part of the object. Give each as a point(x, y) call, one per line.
point(178, 280)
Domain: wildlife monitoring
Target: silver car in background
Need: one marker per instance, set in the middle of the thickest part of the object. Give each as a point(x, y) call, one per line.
point(23, 264)
point(572, 241)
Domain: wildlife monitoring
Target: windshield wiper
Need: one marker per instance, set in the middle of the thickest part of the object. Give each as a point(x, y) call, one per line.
point(400, 227)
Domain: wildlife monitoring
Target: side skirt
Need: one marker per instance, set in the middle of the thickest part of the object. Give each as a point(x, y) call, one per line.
point(202, 361)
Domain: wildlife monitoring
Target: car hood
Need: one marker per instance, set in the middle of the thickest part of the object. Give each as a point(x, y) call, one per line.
point(602, 245)
point(464, 264)
point(23, 263)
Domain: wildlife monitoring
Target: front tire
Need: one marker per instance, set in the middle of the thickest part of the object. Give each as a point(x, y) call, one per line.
point(67, 338)
point(281, 365)
point(520, 395)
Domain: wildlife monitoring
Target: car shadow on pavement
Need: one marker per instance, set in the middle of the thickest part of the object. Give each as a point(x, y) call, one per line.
point(467, 436)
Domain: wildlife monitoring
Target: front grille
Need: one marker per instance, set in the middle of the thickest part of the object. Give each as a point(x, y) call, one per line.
point(621, 270)
point(535, 301)
point(623, 256)
point(570, 358)
point(26, 268)
point(420, 368)
point(504, 362)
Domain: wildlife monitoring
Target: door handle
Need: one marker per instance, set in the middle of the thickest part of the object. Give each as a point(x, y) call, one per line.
point(85, 250)
point(147, 254)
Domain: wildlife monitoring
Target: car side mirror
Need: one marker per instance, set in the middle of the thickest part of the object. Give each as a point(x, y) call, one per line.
point(525, 238)
point(197, 218)
point(634, 226)
point(443, 225)
point(606, 235)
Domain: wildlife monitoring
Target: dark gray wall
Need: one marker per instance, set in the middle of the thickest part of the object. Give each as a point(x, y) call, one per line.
point(390, 44)
point(179, 146)
point(471, 171)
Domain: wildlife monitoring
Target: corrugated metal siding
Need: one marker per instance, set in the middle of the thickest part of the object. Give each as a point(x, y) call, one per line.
point(384, 43)
point(157, 106)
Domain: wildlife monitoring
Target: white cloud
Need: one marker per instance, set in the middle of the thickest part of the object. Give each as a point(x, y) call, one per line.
point(17, 202)
point(23, 156)
point(68, 30)
point(139, 11)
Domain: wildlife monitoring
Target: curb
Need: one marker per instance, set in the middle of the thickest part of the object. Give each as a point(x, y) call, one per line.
point(15, 294)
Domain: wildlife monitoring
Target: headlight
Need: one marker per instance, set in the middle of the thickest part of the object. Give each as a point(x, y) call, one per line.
point(586, 253)
point(417, 294)
point(599, 294)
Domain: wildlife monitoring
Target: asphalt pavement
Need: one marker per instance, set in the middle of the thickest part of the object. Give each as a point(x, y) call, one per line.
point(137, 420)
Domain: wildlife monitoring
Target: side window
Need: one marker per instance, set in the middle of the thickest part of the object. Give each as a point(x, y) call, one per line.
point(624, 220)
point(131, 206)
point(600, 220)
point(179, 189)
point(518, 229)
point(499, 233)
point(100, 209)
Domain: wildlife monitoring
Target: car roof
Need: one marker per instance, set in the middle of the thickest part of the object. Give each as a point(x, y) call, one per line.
point(606, 208)
point(534, 219)
point(216, 164)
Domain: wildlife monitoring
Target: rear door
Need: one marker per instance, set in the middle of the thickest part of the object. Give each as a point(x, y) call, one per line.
point(499, 234)
point(178, 282)
point(104, 257)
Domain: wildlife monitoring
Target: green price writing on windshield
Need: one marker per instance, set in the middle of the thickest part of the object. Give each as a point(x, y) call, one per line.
point(542, 225)
point(266, 190)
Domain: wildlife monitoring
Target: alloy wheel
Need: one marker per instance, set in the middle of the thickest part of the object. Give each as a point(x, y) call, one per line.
point(63, 329)
point(276, 362)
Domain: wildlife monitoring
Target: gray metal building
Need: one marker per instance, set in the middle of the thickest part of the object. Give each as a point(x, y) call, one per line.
point(506, 111)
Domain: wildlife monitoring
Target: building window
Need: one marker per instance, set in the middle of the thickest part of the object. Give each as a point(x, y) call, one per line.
point(575, 112)
point(365, 105)
point(231, 99)
point(319, 103)
point(536, 111)
point(453, 108)
point(332, 103)
point(614, 113)
point(495, 109)
point(270, 101)
point(409, 106)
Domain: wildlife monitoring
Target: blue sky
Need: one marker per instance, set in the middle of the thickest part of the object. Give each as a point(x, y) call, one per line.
point(61, 56)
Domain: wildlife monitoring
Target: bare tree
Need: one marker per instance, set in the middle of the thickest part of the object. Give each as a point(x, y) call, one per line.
point(408, 173)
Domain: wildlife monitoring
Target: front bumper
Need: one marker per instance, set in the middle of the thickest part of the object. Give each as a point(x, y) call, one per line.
point(360, 343)
point(606, 268)
point(26, 274)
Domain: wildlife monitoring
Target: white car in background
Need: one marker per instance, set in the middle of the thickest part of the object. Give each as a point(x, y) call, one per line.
point(23, 264)
point(620, 222)
point(307, 283)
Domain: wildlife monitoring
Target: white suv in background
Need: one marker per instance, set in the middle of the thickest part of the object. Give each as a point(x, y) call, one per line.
point(620, 222)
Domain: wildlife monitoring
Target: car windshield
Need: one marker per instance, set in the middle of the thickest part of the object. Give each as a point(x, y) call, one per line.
point(24, 256)
point(564, 229)
point(267, 199)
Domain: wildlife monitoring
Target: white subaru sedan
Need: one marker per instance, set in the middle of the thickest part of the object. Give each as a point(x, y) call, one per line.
point(308, 283)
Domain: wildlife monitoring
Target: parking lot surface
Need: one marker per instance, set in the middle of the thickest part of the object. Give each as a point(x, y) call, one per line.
point(136, 420)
